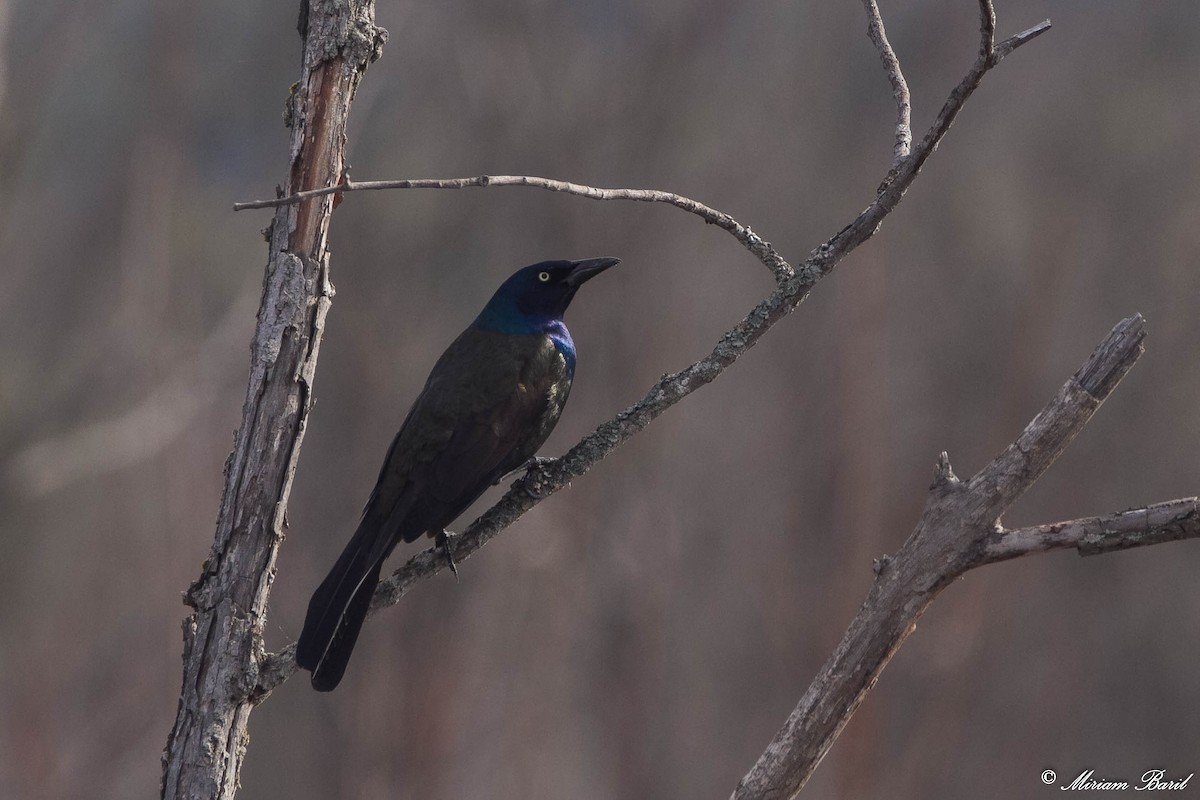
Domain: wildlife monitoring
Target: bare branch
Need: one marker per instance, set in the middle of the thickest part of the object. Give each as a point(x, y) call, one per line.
point(954, 534)
point(891, 65)
point(897, 182)
point(761, 249)
point(1011, 473)
point(987, 28)
point(820, 261)
point(1013, 42)
point(1162, 522)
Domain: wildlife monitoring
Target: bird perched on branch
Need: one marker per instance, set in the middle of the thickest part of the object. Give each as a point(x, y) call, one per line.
point(487, 406)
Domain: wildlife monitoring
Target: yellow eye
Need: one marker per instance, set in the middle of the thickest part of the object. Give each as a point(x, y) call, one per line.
point(543, 276)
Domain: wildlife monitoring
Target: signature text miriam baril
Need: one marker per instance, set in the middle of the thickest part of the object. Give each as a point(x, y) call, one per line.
point(1152, 780)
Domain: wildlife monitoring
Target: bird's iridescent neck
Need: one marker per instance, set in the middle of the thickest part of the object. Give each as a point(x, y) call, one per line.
point(529, 325)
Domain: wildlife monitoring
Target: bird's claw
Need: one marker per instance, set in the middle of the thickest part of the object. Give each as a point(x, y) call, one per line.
point(442, 541)
point(537, 461)
point(534, 487)
point(531, 463)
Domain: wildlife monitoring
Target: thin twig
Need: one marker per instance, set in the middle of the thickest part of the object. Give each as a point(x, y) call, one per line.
point(987, 28)
point(761, 249)
point(547, 478)
point(896, 185)
point(891, 65)
point(1013, 42)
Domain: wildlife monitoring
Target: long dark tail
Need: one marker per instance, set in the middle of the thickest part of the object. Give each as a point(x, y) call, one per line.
point(339, 606)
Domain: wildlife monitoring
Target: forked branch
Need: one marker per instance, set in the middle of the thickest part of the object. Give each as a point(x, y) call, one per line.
point(958, 531)
point(891, 65)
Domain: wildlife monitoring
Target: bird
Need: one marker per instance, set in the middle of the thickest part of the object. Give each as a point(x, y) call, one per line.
point(489, 403)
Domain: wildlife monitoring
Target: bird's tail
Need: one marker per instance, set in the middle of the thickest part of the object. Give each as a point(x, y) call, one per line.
point(338, 608)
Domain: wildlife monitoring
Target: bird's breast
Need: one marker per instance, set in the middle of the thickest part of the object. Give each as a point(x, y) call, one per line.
point(564, 345)
point(549, 376)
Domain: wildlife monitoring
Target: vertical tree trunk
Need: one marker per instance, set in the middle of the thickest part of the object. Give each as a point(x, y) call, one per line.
point(222, 638)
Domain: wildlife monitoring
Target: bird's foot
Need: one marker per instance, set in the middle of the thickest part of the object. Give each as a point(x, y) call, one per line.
point(532, 463)
point(538, 461)
point(442, 541)
point(533, 486)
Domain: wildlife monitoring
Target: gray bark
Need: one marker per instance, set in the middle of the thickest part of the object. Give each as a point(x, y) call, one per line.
point(223, 636)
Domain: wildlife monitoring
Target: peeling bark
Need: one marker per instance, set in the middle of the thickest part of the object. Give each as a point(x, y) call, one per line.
point(222, 638)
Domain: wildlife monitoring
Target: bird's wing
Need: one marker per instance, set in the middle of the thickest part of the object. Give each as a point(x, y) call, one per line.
point(481, 447)
point(484, 445)
point(480, 425)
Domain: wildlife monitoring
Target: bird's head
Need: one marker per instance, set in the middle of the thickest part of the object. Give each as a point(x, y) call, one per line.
point(538, 295)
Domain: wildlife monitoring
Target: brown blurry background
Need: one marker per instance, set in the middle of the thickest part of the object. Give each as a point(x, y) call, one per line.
point(644, 634)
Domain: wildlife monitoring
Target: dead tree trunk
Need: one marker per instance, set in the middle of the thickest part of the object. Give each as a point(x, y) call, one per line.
point(222, 638)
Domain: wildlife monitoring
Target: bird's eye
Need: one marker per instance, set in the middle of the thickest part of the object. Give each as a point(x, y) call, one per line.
point(543, 276)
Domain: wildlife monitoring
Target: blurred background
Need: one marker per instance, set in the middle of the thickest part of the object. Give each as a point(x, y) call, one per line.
point(644, 634)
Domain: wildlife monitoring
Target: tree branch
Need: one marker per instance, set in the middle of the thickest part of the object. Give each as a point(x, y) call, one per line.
point(960, 530)
point(762, 250)
point(987, 27)
point(1000, 483)
point(546, 479)
point(1154, 524)
point(891, 65)
point(1013, 42)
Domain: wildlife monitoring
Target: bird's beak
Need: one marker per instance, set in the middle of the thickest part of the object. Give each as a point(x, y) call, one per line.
point(587, 269)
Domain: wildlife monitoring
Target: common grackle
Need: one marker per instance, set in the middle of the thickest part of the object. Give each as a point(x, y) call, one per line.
point(487, 406)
